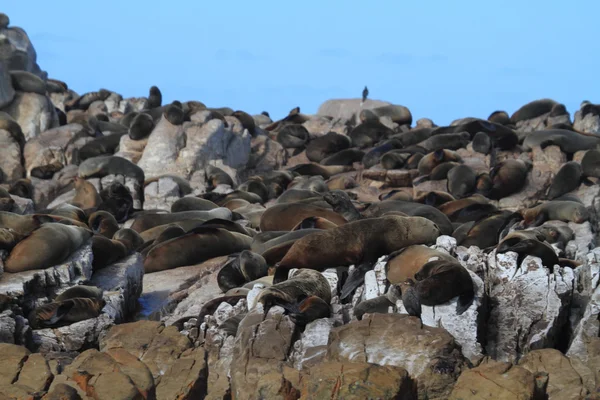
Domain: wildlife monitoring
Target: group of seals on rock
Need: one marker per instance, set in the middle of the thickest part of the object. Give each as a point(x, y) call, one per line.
point(314, 215)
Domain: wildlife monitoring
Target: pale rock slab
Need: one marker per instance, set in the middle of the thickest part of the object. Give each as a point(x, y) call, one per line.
point(34, 113)
point(531, 305)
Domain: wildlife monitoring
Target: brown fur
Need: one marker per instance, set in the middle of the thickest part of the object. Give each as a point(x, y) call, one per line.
point(356, 242)
point(197, 246)
point(284, 217)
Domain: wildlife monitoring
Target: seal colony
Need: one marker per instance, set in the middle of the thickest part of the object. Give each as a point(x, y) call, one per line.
point(318, 208)
point(316, 213)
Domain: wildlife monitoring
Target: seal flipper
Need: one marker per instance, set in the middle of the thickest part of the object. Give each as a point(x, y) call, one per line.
point(464, 302)
point(410, 298)
point(355, 279)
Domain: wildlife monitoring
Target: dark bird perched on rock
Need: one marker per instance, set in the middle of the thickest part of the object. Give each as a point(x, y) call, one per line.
point(365, 94)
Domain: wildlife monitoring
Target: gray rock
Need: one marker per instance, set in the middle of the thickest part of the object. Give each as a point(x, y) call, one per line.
point(345, 109)
point(312, 346)
point(160, 195)
point(122, 283)
point(542, 122)
point(17, 52)
point(50, 146)
point(164, 290)
point(10, 162)
point(530, 305)
point(34, 113)
point(75, 337)
point(587, 329)
point(7, 93)
point(8, 327)
point(22, 205)
point(588, 124)
point(161, 153)
point(131, 150)
point(465, 327)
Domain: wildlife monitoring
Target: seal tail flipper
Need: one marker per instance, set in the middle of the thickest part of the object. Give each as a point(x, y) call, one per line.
point(355, 279)
point(464, 302)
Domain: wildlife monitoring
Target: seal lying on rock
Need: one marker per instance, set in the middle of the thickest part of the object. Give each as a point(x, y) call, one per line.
point(356, 242)
point(305, 296)
point(47, 246)
point(75, 304)
point(437, 282)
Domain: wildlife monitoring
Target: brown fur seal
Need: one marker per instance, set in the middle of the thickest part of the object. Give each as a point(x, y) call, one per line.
point(293, 136)
point(499, 117)
point(314, 223)
point(23, 224)
point(379, 304)
point(434, 198)
point(486, 232)
point(8, 123)
point(304, 284)
point(373, 156)
point(530, 243)
point(22, 188)
point(449, 141)
point(461, 181)
point(394, 159)
point(341, 183)
point(437, 282)
point(145, 222)
point(532, 110)
point(295, 195)
point(590, 163)
point(196, 246)
point(154, 97)
point(568, 211)
point(326, 145)
point(246, 120)
point(482, 143)
point(326, 171)
point(569, 141)
point(356, 242)
point(141, 126)
point(65, 312)
point(256, 186)
point(283, 217)
point(566, 180)
point(245, 267)
point(86, 195)
point(507, 177)
point(435, 158)
point(412, 209)
point(108, 251)
point(9, 238)
point(191, 203)
point(215, 176)
point(90, 292)
point(174, 113)
point(368, 133)
point(24, 81)
point(404, 264)
point(46, 171)
point(345, 157)
point(103, 223)
point(71, 212)
point(50, 245)
point(117, 200)
point(109, 165)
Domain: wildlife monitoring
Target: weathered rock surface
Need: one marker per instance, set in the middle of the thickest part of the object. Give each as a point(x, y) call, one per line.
point(430, 355)
point(34, 113)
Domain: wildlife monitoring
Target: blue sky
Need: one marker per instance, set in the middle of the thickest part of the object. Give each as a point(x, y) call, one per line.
point(441, 59)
